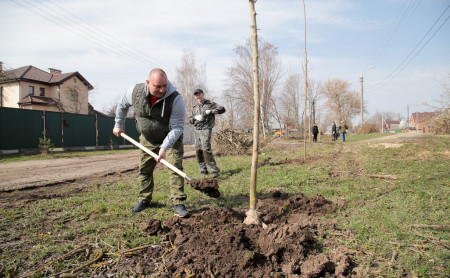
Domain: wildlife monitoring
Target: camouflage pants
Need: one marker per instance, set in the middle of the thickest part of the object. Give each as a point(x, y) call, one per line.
point(205, 157)
point(174, 156)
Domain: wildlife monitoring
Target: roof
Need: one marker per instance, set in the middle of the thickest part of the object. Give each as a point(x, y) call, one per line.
point(30, 73)
point(93, 112)
point(30, 99)
point(393, 122)
point(420, 117)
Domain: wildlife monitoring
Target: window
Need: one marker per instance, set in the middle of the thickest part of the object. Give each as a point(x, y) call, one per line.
point(42, 92)
point(31, 90)
point(74, 80)
point(74, 95)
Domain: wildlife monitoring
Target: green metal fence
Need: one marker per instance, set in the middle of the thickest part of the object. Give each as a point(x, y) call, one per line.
point(53, 127)
point(79, 130)
point(21, 129)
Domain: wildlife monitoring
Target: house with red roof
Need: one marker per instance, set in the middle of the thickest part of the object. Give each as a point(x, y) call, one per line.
point(31, 88)
point(392, 125)
point(421, 119)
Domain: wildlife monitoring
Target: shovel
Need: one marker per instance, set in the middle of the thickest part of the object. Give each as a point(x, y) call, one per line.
point(209, 186)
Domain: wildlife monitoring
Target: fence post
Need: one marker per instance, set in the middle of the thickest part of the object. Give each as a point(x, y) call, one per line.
point(96, 130)
point(61, 120)
point(44, 120)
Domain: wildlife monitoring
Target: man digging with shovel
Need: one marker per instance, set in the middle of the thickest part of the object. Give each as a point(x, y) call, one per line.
point(160, 113)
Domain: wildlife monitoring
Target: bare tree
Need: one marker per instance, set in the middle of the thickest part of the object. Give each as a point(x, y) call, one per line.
point(238, 113)
point(3, 77)
point(313, 98)
point(340, 103)
point(378, 117)
point(277, 113)
point(440, 121)
point(291, 102)
point(111, 109)
point(240, 78)
point(188, 78)
point(270, 73)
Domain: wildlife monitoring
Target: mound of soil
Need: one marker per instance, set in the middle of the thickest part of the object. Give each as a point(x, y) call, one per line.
point(216, 243)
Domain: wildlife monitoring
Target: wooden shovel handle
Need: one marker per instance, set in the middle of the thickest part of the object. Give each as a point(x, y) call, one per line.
point(163, 161)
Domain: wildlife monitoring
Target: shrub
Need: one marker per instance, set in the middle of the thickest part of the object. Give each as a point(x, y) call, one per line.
point(45, 144)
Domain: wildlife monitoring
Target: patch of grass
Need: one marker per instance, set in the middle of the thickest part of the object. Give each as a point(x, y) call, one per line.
point(408, 215)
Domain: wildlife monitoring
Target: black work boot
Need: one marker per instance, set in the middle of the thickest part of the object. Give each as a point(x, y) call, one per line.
point(180, 211)
point(141, 205)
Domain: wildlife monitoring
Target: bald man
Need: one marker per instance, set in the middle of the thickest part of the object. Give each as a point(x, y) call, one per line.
point(160, 113)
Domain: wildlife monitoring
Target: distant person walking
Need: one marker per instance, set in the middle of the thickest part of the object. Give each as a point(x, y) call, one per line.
point(315, 131)
point(203, 118)
point(343, 130)
point(333, 132)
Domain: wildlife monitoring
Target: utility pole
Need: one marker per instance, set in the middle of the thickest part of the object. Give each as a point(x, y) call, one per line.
point(362, 93)
point(362, 102)
point(407, 119)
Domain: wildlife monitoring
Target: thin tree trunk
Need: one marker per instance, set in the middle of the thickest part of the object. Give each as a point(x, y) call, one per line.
point(306, 85)
point(309, 123)
point(256, 108)
point(252, 216)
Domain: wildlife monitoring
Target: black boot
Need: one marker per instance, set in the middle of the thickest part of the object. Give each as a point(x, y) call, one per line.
point(141, 205)
point(180, 211)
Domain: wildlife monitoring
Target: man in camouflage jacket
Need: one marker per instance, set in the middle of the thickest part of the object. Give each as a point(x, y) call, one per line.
point(203, 118)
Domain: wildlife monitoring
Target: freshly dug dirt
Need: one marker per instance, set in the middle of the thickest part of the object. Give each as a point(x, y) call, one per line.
point(215, 243)
point(208, 186)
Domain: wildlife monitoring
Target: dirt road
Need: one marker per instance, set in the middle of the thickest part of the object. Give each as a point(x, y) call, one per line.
point(37, 173)
point(397, 137)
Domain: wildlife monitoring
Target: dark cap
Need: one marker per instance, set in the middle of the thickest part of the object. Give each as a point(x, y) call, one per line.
point(198, 91)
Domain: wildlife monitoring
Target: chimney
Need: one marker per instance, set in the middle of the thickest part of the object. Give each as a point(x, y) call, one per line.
point(54, 71)
point(1, 67)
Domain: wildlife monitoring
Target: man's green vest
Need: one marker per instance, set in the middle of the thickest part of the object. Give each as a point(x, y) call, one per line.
point(152, 121)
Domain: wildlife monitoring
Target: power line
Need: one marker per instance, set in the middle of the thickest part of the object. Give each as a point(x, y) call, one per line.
point(396, 28)
point(408, 59)
point(88, 31)
point(107, 37)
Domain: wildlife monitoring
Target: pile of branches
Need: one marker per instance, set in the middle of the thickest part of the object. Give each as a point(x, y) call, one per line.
point(232, 142)
point(440, 122)
point(369, 128)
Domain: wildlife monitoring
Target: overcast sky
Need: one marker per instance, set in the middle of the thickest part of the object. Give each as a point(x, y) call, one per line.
point(114, 44)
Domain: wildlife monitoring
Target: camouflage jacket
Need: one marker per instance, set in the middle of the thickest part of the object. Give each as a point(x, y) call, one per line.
point(208, 120)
